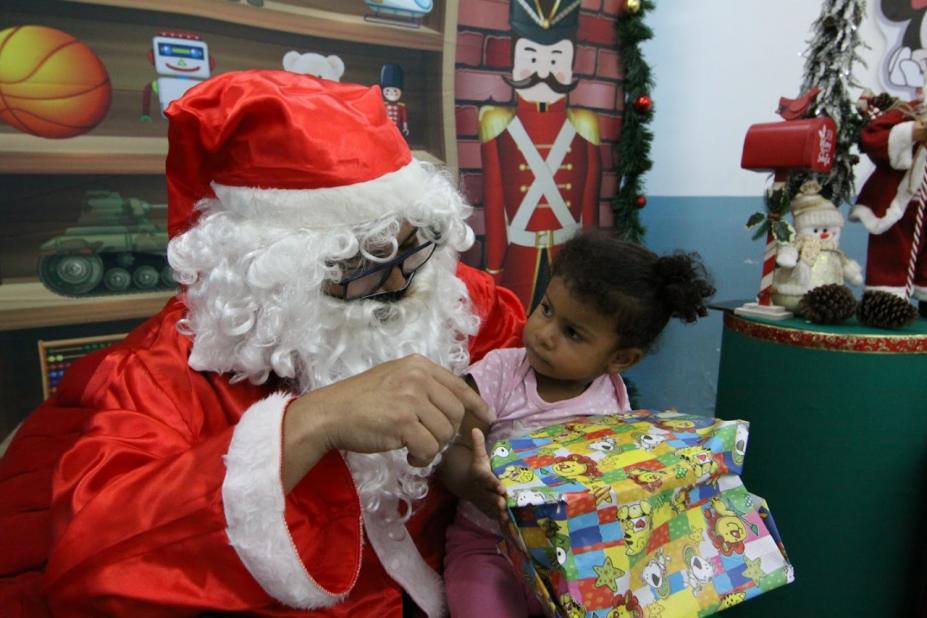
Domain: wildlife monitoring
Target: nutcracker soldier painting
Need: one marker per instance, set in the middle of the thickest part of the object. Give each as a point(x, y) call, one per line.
point(540, 158)
point(391, 84)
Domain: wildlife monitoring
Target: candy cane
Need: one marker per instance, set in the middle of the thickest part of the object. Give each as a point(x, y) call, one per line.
point(769, 266)
point(769, 253)
point(921, 197)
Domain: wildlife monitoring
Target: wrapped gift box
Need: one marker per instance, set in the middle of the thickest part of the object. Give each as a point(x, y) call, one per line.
point(643, 512)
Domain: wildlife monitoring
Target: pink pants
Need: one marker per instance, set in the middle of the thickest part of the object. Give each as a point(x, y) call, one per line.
point(480, 581)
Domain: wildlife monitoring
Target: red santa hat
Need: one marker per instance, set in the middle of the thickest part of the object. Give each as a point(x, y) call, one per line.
point(287, 149)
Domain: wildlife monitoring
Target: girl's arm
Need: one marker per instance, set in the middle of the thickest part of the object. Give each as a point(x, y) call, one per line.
point(465, 468)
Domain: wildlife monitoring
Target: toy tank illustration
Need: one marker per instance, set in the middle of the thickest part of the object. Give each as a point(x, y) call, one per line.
point(114, 249)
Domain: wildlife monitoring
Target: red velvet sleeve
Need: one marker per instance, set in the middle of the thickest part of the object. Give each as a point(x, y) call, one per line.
point(141, 508)
point(873, 138)
point(502, 316)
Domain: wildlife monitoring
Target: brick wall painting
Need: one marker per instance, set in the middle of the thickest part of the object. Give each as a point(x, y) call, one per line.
point(488, 57)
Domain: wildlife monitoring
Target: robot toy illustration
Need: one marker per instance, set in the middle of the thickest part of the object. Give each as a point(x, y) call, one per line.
point(181, 61)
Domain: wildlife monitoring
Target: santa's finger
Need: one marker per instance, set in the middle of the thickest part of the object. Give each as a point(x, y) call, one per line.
point(422, 445)
point(470, 399)
point(448, 405)
point(437, 423)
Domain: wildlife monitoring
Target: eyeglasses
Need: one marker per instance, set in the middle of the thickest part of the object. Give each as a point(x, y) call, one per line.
point(367, 283)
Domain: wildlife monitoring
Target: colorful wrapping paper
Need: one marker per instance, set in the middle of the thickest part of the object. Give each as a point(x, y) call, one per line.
point(638, 515)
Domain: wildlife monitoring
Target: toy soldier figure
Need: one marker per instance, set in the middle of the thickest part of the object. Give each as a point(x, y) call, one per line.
point(540, 159)
point(391, 85)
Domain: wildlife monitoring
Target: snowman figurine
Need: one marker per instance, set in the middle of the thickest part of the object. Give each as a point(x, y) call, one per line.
point(813, 258)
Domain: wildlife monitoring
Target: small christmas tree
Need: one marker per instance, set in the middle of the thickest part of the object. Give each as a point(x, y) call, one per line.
point(829, 62)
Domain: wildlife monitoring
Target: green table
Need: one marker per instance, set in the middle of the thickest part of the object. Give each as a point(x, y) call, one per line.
point(838, 447)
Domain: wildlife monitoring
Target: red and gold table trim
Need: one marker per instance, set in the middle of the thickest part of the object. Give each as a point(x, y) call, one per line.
point(836, 342)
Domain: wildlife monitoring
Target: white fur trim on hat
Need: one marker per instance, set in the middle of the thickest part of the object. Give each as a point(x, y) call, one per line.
point(327, 207)
point(252, 495)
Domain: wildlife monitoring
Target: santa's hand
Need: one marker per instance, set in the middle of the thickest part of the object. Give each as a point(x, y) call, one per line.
point(488, 491)
point(410, 402)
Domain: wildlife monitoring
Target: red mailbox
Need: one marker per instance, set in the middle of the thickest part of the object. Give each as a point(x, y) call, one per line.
point(806, 144)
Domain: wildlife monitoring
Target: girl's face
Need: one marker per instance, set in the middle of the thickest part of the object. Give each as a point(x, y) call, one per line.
point(570, 342)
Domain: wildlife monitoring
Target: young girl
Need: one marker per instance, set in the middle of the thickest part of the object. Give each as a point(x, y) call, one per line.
point(606, 303)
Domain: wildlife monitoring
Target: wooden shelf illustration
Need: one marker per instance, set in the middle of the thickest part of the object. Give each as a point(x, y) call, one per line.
point(298, 19)
point(95, 154)
point(31, 305)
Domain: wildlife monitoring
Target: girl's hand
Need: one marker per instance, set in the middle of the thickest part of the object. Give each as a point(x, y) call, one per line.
point(489, 493)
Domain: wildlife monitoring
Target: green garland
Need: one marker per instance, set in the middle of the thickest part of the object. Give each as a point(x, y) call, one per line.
point(632, 152)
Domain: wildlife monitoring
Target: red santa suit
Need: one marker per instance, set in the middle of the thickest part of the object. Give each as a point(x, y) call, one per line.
point(131, 519)
point(887, 206)
point(147, 488)
point(541, 175)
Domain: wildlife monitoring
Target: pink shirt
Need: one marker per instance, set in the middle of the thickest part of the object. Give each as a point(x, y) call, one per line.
point(508, 385)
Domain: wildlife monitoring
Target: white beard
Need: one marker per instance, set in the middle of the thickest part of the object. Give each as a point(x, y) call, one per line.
point(252, 280)
point(433, 319)
point(316, 340)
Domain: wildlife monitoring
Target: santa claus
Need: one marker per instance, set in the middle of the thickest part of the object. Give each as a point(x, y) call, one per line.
point(892, 202)
point(263, 445)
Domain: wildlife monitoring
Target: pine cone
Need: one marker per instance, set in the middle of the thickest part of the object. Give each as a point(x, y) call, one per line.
point(827, 304)
point(885, 310)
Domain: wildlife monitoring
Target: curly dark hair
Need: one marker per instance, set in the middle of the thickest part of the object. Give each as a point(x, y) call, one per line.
point(634, 285)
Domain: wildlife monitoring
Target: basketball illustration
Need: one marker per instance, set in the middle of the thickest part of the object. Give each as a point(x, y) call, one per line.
point(51, 84)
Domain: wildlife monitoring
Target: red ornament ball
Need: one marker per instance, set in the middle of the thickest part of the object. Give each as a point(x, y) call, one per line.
point(643, 104)
point(640, 201)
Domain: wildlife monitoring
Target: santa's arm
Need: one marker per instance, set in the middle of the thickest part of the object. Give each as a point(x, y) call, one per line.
point(502, 316)
point(153, 507)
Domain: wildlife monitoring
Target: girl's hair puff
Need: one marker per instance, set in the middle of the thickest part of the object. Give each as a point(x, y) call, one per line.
point(634, 285)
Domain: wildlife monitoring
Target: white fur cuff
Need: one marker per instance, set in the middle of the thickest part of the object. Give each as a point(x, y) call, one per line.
point(900, 145)
point(252, 495)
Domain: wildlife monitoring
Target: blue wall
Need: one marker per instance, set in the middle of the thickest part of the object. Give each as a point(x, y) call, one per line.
point(682, 372)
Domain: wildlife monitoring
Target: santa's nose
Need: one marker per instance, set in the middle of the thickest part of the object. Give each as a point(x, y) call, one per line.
point(395, 281)
point(825, 235)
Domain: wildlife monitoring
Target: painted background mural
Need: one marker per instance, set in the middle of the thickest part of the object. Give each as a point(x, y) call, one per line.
point(904, 65)
point(538, 110)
